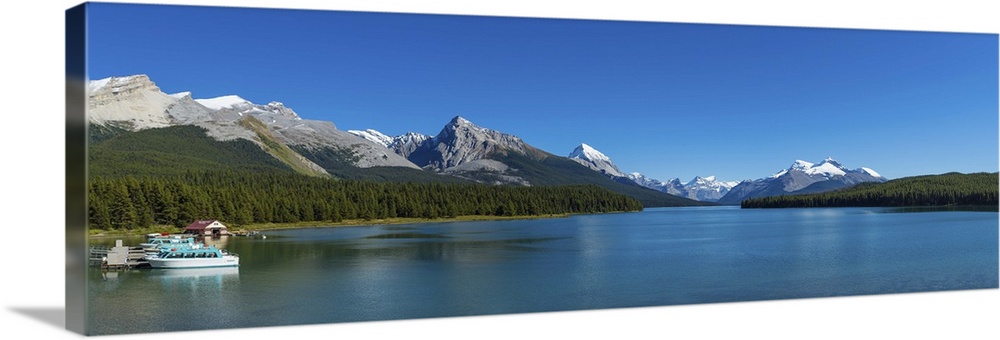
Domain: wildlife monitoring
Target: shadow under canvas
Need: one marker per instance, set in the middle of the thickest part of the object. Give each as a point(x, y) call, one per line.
point(53, 316)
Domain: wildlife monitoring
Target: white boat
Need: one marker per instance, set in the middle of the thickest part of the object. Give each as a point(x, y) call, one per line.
point(197, 256)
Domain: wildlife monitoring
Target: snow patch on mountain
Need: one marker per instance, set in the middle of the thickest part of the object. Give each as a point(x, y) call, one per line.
point(374, 136)
point(225, 102)
point(402, 145)
point(869, 172)
point(181, 95)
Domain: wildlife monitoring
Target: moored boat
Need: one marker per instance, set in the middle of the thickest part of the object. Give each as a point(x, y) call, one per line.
point(196, 256)
point(153, 244)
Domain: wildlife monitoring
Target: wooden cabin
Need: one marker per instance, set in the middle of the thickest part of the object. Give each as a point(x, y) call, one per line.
point(207, 228)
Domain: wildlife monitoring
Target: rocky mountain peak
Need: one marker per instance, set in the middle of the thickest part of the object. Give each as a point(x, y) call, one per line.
point(280, 109)
point(459, 121)
point(118, 88)
point(461, 141)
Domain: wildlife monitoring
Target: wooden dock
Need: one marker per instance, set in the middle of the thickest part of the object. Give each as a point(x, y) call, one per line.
point(117, 257)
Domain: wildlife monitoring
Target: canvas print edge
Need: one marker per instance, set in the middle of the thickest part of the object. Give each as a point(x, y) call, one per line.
point(68, 189)
point(76, 169)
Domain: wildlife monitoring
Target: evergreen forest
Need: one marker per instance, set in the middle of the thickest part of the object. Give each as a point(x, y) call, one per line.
point(239, 197)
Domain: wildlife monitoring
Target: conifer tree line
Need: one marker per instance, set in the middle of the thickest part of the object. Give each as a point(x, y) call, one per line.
point(951, 189)
point(129, 202)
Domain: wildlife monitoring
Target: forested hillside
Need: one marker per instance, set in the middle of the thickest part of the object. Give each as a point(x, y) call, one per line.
point(951, 189)
point(172, 150)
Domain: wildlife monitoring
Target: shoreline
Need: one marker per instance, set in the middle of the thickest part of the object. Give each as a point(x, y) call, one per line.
point(391, 221)
point(346, 223)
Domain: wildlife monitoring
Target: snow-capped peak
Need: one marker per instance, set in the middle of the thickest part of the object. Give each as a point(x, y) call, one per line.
point(224, 102)
point(830, 160)
point(590, 157)
point(458, 120)
point(586, 152)
point(709, 182)
point(95, 85)
point(826, 169)
point(459, 123)
point(98, 84)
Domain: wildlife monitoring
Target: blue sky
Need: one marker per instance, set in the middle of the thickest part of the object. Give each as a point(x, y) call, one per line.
point(667, 100)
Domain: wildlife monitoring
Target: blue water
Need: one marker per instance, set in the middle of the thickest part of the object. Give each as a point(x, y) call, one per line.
point(665, 256)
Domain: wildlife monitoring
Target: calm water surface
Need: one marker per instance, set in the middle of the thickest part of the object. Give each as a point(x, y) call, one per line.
point(664, 256)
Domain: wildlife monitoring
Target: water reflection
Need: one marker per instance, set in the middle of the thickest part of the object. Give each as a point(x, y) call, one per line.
point(196, 278)
point(405, 235)
point(219, 242)
point(377, 244)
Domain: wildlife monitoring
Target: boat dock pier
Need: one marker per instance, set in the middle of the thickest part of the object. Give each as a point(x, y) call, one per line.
point(117, 257)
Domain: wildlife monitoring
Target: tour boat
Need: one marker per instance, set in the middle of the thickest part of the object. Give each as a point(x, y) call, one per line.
point(153, 244)
point(196, 256)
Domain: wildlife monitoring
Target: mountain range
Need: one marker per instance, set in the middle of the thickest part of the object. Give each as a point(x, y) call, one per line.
point(706, 189)
point(800, 178)
point(460, 151)
point(134, 108)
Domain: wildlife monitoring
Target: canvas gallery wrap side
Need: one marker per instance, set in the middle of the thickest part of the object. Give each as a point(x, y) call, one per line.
point(248, 167)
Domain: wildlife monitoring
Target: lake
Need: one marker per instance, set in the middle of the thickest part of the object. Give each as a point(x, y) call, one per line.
point(661, 256)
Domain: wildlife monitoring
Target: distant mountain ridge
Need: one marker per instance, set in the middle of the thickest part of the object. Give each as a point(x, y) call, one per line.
point(705, 189)
point(800, 178)
point(672, 186)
